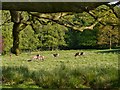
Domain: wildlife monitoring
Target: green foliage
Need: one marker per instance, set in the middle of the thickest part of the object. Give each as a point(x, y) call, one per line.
point(52, 36)
point(7, 37)
point(108, 27)
point(28, 40)
point(85, 39)
point(117, 10)
point(6, 31)
point(88, 38)
point(106, 34)
point(83, 19)
point(72, 39)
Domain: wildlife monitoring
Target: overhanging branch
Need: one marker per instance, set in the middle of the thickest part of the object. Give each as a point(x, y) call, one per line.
point(50, 7)
point(69, 25)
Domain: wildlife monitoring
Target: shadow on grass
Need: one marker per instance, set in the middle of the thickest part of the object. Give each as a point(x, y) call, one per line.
point(110, 51)
point(60, 78)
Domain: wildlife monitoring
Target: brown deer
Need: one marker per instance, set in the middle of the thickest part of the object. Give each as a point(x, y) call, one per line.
point(36, 57)
point(39, 57)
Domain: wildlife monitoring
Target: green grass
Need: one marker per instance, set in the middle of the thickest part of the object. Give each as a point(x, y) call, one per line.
point(96, 69)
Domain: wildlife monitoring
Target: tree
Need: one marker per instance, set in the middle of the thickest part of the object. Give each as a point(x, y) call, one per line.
point(52, 36)
point(108, 36)
point(79, 40)
point(6, 31)
point(28, 39)
point(108, 29)
point(16, 17)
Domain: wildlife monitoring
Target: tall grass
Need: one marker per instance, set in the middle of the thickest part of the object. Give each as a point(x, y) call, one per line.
point(94, 70)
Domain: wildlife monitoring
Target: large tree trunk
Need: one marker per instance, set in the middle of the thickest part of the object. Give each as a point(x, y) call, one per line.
point(15, 18)
point(15, 48)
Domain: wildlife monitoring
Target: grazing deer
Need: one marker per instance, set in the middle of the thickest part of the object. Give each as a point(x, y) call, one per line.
point(55, 54)
point(36, 56)
point(79, 54)
point(39, 57)
point(29, 60)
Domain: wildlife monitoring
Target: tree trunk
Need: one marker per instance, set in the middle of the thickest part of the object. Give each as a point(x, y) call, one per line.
point(15, 32)
point(110, 41)
point(15, 18)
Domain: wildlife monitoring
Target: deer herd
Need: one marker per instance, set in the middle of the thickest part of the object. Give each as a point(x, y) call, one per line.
point(55, 55)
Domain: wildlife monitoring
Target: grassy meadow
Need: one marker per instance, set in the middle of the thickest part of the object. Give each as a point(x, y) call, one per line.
point(96, 69)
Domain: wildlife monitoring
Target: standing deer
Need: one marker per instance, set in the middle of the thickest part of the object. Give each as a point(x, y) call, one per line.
point(56, 54)
point(79, 54)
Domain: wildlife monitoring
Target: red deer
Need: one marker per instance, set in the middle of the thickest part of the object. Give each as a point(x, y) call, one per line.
point(39, 57)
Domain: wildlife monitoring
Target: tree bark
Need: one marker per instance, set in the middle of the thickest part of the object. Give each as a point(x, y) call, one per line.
point(51, 7)
point(110, 40)
point(15, 18)
point(15, 32)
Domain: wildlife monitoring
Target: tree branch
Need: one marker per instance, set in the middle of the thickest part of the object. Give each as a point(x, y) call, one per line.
point(50, 7)
point(70, 25)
